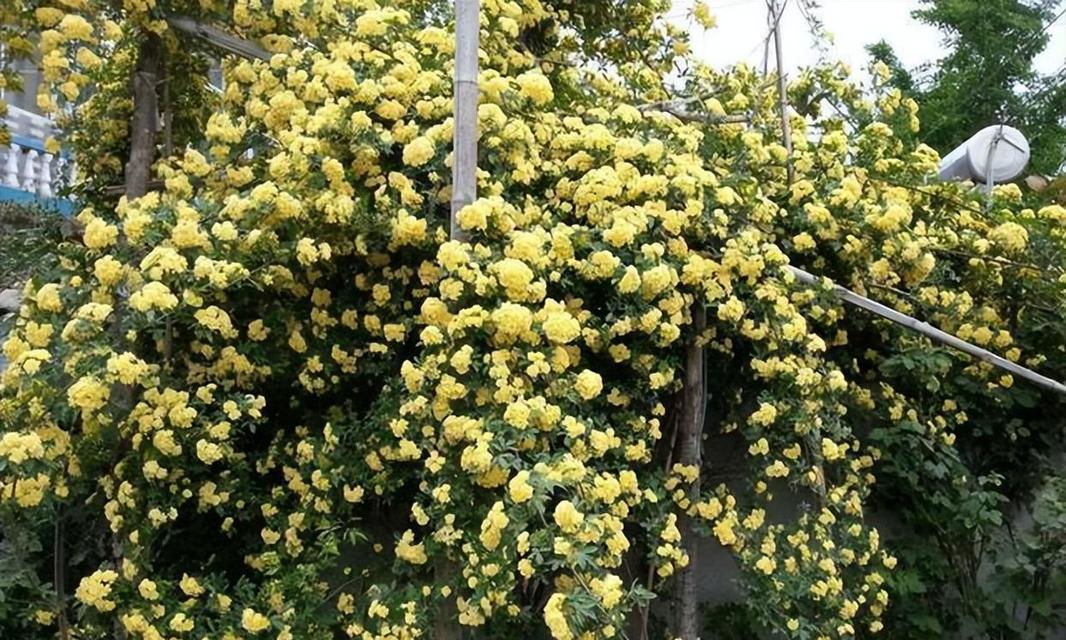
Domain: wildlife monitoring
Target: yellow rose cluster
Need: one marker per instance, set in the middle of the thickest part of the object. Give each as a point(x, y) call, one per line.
point(280, 370)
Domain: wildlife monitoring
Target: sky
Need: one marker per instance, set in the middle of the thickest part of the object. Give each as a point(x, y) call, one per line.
point(853, 24)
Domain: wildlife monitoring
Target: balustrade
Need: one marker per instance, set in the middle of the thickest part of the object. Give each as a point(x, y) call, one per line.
point(27, 169)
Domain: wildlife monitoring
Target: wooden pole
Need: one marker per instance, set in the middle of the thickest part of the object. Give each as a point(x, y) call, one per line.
point(464, 149)
point(782, 89)
point(687, 623)
point(931, 332)
point(144, 126)
point(219, 38)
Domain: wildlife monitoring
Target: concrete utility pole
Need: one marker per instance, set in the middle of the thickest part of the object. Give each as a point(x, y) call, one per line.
point(777, 8)
point(464, 191)
point(464, 142)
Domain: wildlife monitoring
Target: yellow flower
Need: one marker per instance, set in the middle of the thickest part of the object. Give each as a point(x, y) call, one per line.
point(568, 517)
point(75, 27)
point(87, 59)
point(609, 590)
point(519, 488)
point(630, 282)
point(760, 447)
point(517, 414)
point(702, 14)
point(186, 234)
point(208, 452)
point(535, 86)
point(525, 568)
point(257, 331)
point(588, 384)
point(493, 525)
point(476, 459)
point(88, 394)
point(831, 450)
point(511, 321)
point(765, 416)
point(515, 276)
point(560, 327)
point(253, 621)
point(1010, 236)
point(164, 441)
point(108, 271)
point(189, 586)
point(127, 367)
point(418, 152)
point(98, 234)
point(803, 242)
point(407, 551)
point(94, 589)
point(48, 16)
point(153, 295)
point(19, 447)
point(181, 623)
point(731, 310)
point(148, 589)
point(48, 298)
point(407, 229)
point(723, 530)
point(216, 320)
point(555, 618)
point(474, 216)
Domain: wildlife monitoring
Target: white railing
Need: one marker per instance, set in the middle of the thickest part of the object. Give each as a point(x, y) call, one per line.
point(25, 165)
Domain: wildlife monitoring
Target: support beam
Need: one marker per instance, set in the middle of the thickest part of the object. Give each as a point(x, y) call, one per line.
point(145, 122)
point(687, 621)
point(931, 332)
point(217, 37)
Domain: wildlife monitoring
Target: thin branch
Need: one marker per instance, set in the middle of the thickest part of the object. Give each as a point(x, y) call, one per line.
point(59, 578)
point(998, 260)
point(687, 116)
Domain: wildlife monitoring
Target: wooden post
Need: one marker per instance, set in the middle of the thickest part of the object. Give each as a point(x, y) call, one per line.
point(782, 90)
point(144, 126)
point(689, 434)
point(464, 141)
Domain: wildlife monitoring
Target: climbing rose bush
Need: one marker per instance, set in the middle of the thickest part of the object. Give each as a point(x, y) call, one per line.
point(283, 403)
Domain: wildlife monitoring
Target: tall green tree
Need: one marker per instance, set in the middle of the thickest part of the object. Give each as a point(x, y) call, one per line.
point(987, 75)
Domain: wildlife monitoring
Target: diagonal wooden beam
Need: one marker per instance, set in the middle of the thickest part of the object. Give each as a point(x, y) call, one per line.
point(931, 332)
point(218, 37)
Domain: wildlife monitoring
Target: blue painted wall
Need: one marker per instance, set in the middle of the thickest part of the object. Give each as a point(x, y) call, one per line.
point(59, 205)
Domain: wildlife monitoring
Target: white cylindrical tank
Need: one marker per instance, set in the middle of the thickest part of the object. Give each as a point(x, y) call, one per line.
point(1001, 146)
